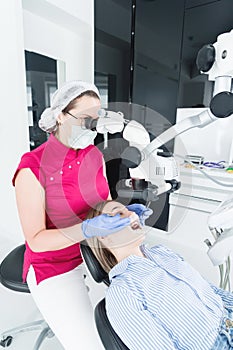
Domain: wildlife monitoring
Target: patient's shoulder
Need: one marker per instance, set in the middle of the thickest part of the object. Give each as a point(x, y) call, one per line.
point(122, 295)
point(164, 251)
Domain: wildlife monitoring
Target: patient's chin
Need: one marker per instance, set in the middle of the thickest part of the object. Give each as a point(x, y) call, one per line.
point(126, 237)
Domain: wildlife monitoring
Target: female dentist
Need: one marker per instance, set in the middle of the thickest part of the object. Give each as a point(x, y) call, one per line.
point(56, 184)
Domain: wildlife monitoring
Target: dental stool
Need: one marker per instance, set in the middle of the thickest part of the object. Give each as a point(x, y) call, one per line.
point(11, 277)
point(109, 338)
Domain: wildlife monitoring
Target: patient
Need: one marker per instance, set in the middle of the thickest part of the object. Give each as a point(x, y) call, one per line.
point(156, 300)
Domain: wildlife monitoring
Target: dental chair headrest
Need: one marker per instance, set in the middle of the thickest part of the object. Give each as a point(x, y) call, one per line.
point(93, 264)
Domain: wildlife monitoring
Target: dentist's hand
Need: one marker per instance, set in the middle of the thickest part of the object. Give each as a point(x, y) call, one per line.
point(103, 225)
point(141, 210)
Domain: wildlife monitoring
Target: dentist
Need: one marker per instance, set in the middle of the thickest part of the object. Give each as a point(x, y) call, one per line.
point(56, 184)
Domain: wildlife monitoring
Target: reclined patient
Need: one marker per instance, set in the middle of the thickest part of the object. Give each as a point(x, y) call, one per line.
point(156, 300)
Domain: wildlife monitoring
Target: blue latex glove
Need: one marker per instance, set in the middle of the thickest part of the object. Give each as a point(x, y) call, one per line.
point(141, 210)
point(104, 225)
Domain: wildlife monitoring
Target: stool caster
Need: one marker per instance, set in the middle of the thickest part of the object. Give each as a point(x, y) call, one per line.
point(6, 342)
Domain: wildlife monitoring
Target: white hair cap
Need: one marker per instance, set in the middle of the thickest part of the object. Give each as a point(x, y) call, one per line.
point(61, 98)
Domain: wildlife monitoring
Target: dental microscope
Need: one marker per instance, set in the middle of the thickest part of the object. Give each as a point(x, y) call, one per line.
point(153, 171)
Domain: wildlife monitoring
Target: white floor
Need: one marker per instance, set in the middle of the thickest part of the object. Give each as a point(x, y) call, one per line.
point(17, 309)
point(26, 342)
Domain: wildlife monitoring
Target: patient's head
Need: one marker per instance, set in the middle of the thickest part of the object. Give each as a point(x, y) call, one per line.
point(109, 250)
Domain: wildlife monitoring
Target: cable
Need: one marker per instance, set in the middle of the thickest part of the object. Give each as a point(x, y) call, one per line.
point(229, 281)
point(221, 275)
point(203, 172)
point(227, 274)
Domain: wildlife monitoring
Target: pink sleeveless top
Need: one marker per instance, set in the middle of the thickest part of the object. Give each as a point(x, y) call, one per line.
point(73, 182)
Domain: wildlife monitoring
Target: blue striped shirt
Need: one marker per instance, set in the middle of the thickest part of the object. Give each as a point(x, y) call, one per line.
point(163, 303)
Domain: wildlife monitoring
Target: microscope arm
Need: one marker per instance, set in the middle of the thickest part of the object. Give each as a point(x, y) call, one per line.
point(221, 106)
point(141, 150)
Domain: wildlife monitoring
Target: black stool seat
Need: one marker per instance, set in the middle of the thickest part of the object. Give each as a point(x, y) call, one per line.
point(11, 270)
point(11, 277)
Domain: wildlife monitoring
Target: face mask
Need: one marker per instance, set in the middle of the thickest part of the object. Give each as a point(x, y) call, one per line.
point(81, 137)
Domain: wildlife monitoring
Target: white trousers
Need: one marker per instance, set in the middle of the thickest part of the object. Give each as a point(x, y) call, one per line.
point(65, 305)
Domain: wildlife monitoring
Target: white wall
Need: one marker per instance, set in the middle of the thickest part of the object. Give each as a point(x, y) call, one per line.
point(57, 32)
point(72, 43)
point(14, 138)
point(63, 30)
point(83, 10)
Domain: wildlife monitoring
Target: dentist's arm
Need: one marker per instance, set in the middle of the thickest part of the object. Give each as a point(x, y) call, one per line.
point(30, 198)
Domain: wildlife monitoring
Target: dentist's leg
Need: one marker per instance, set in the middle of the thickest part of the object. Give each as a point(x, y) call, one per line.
point(65, 305)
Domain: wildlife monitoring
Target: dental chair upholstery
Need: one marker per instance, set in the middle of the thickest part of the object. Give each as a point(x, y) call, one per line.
point(109, 338)
point(11, 277)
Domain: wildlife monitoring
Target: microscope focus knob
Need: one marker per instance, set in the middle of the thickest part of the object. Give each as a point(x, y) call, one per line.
point(131, 157)
point(205, 58)
point(221, 104)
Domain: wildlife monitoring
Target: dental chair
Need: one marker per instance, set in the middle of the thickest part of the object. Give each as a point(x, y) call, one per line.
point(11, 277)
point(109, 338)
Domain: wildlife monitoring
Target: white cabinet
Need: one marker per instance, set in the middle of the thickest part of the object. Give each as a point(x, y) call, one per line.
point(190, 208)
point(199, 194)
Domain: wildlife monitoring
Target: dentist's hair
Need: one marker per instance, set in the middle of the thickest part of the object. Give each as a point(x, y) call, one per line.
point(105, 257)
point(72, 103)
